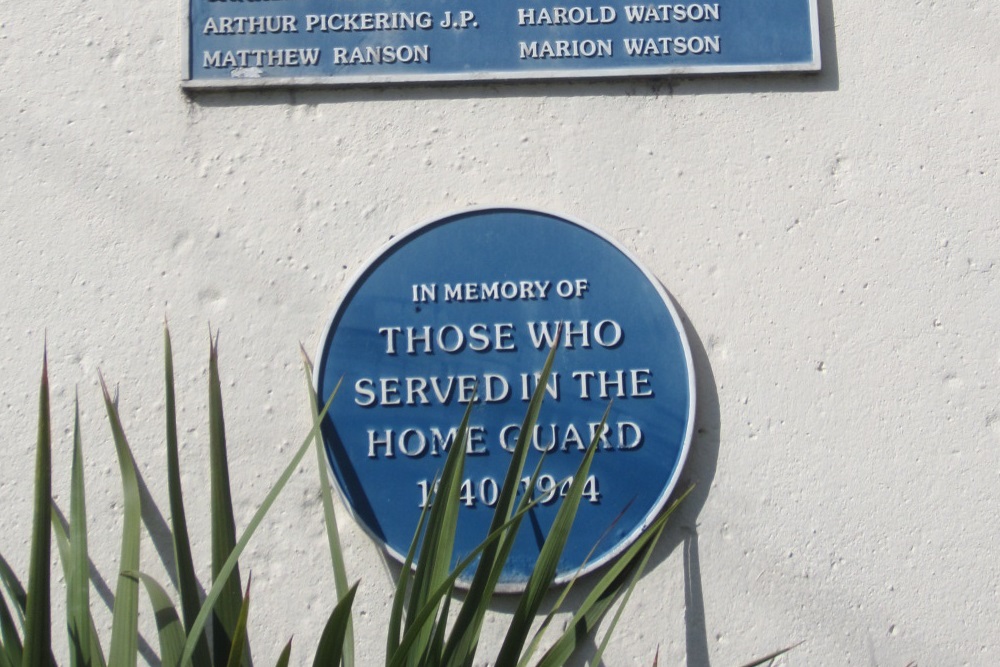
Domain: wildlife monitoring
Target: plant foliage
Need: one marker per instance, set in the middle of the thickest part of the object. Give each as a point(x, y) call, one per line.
point(423, 628)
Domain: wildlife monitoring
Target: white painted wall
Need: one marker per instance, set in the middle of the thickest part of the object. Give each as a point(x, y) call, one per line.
point(833, 241)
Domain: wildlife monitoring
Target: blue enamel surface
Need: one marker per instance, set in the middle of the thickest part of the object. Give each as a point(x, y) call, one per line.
point(499, 245)
point(752, 34)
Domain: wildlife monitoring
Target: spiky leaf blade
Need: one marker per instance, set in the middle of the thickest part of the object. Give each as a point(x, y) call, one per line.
point(435, 647)
point(14, 589)
point(93, 657)
point(437, 546)
point(286, 655)
point(633, 581)
point(240, 631)
point(564, 594)
point(124, 648)
point(768, 658)
point(6, 658)
point(38, 621)
point(168, 624)
point(430, 609)
point(9, 638)
point(85, 649)
point(329, 516)
point(332, 642)
point(614, 579)
point(461, 646)
point(187, 581)
point(198, 627)
point(548, 559)
point(392, 643)
point(227, 608)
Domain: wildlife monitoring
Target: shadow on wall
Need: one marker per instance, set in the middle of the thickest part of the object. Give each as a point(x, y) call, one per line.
point(699, 470)
point(827, 80)
point(682, 529)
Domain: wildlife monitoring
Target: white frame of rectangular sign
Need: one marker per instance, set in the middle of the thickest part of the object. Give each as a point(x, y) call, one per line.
point(489, 76)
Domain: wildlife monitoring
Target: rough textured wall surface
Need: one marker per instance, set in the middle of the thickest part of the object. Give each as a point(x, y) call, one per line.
point(832, 240)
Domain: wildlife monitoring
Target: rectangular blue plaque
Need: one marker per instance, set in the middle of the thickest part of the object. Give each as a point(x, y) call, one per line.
point(257, 43)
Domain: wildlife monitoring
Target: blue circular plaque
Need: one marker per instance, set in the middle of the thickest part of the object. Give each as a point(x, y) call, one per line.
point(476, 299)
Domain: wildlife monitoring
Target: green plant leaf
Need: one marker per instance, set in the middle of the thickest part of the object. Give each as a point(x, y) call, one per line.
point(85, 646)
point(187, 581)
point(62, 542)
point(461, 646)
point(93, 657)
point(124, 648)
point(38, 621)
point(213, 594)
point(436, 547)
point(9, 636)
point(286, 655)
point(398, 657)
point(557, 605)
point(78, 563)
point(548, 559)
point(329, 517)
point(14, 589)
point(6, 659)
point(10, 642)
point(643, 559)
point(227, 607)
point(586, 619)
point(168, 623)
point(332, 642)
point(605, 592)
point(405, 575)
point(432, 654)
point(772, 656)
point(240, 631)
